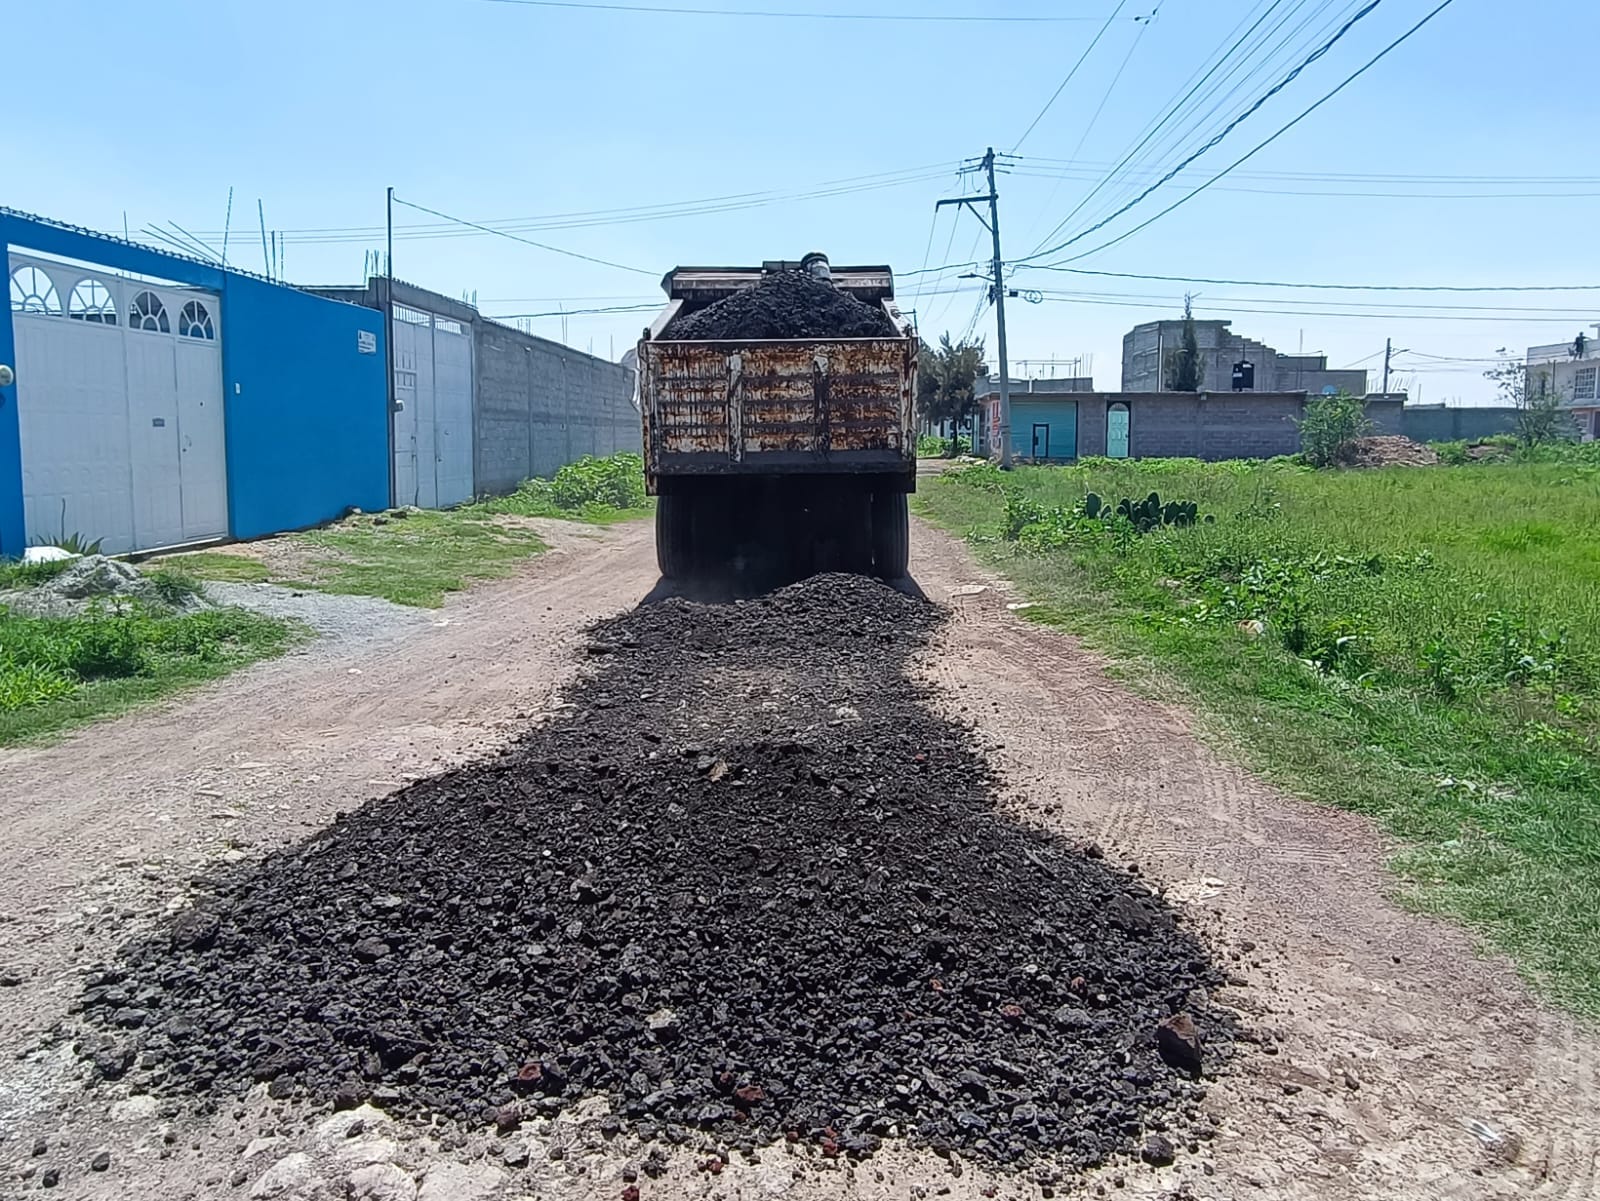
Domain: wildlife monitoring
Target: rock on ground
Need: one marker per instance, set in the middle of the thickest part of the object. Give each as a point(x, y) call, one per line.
point(460, 1182)
point(95, 580)
point(382, 1182)
point(292, 1174)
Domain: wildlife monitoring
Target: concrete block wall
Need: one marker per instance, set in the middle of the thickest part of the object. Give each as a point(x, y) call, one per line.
point(542, 405)
point(1092, 424)
point(1441, 424)
point(1225, 425)
point(1212, 425)
point(1200, 425)
point(1387, 414)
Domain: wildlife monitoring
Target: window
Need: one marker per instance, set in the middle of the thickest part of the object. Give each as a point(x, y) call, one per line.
point(33, 292)
point(411, 316)
point(1583, 383)
point(93, 302)
point(445, 325)
point(147, 312)
point(195, 322)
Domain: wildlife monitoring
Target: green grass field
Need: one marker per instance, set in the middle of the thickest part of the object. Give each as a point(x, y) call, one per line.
point(1422, 645)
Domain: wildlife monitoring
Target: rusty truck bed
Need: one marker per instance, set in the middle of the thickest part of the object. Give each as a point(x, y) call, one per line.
point(804, 405)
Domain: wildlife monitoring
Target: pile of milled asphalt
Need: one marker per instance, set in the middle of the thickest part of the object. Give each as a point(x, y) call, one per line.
point(784, 304)
point(750, 884)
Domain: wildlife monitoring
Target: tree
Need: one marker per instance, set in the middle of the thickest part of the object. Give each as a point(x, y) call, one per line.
point(945, 379)
point(1183, 365)
point(1540, 416)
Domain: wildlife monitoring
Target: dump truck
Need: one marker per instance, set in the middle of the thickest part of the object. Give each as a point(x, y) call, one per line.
point(776, 457)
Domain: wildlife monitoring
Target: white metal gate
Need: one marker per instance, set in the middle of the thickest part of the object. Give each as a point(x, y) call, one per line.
point(119, 400)
point(433, 425)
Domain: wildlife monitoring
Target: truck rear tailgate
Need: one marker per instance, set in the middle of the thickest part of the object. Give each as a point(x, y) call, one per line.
point(713, 408)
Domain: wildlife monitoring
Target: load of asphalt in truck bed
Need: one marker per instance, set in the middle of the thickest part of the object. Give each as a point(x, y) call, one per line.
point(784, 304)
point(750, 885)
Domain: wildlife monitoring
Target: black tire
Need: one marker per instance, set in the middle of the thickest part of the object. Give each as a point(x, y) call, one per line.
point(891, 535)
point(674, 551)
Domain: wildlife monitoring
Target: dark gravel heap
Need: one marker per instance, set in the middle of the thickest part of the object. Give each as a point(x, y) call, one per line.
point(785, 304)
point(750, 884)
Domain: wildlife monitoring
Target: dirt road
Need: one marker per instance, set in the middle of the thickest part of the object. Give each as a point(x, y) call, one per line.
point(1390, 1061)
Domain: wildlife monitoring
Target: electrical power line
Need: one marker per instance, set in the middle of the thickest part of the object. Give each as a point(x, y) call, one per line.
point(588, 258)
point(1144, 26)
point(1321, 50)
point(625, 216)
point(628, 298)
point(1259, 58)
point(1171, 112)
point(1262, 145)
point(947, 18)
point(1095, 168)
point(1100, 108)
point(927, 253)
point(1510, 312)
point(1061, 87)
point(614, 308)
point(1268, 283)
point(1499, 318)
point(1365, 195)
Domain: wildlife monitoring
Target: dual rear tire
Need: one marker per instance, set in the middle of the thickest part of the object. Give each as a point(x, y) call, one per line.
point(779, 531)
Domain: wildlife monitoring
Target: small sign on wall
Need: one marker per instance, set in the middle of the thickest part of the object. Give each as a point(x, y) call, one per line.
point(366, 342)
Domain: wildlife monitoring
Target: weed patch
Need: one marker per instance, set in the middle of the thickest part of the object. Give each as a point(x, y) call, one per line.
point(57, 672)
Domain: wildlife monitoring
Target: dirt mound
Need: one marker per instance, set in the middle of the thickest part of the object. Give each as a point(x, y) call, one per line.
point(98, 582)
point(1391, 450)
point(749, 884)
point(785, 304)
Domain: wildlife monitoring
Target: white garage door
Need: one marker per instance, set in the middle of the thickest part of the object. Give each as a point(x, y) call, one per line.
point(119, 400)
point(433, 426)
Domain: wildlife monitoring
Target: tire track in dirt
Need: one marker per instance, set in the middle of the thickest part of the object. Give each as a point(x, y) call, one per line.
point(1389, 1034)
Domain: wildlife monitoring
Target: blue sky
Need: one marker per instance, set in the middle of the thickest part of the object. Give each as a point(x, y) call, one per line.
point(493, 111)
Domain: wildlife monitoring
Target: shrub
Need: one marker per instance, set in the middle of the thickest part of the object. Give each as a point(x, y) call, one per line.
point(23, 685)
point(106, 647)
point(986, 476)
point(932, 446)
point(617, 481)
point(1330, 427)
point(175, 586)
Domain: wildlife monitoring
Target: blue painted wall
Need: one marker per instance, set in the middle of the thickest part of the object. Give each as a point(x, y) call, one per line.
point(307, 413)
point(1060, 415)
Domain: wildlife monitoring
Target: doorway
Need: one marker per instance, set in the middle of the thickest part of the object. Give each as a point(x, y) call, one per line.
point(1117, 431)
point(1041, 442)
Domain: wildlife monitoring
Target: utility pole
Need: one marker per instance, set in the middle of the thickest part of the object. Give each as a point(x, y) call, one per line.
point(388, 340)
point(1387, 344)
point(997, 293)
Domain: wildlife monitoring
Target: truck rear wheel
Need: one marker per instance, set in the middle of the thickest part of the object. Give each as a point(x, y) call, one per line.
point(891, 535)
point(674, 548)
